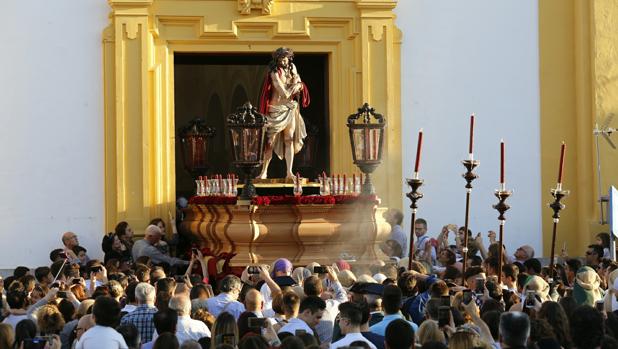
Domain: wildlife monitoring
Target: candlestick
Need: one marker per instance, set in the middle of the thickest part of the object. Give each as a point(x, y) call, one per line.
point(469, 176)
point(556, 206)
point(502, 194)
point(414, 196)
point(419, 145)
point(561, 166)
point(471, 144)
point(501, 161)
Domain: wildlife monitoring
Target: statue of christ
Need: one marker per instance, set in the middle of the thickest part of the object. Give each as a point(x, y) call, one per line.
point(282, 95)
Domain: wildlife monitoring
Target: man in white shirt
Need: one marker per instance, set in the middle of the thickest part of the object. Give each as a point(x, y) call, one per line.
point(350, 321)
point(309, 315)
point(105, 312)
point(422, 239)
point(227, 299)
point(187, 328)
point(146, 247)
point(313, 287)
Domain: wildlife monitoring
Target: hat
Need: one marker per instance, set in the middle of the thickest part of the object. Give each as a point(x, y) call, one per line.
point(282, 265)
point(374, 288)
point(379, 277)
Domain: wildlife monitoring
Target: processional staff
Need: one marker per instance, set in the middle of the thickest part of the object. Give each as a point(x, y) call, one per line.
point(469, 176)
point(558, 193)
point(502, 194)
point(415, 195)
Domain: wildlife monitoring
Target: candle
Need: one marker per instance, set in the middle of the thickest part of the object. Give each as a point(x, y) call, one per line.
point(502, 161)
point(561, 168)
point(471, 144)
point(376, 136)
point(345, 183)
point(419, 145)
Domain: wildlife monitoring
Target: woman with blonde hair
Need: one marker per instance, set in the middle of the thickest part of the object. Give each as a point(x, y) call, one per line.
point(466, 338)
point(6, 336)
point(430, 332)
point(49, 320)
point(224, 326)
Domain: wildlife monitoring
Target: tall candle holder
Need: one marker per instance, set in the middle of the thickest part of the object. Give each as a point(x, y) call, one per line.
point(469, 176)
point(414, 196)
point(558, 193)
point(502, 194)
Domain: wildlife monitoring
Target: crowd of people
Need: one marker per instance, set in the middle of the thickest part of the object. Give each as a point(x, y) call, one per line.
point(140, 296)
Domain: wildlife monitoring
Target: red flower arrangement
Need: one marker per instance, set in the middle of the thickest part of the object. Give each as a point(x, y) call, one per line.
point(213, 200)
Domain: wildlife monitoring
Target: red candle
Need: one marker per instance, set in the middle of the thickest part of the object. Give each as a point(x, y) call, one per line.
point(419, 145)
point(561, 168)
point(471, 145)
point(501, 161)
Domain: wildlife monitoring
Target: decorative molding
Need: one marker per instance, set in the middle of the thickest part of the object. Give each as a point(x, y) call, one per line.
point(377, 31)
point(245, 6)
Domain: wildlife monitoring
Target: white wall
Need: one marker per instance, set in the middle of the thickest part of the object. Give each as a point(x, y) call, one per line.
point(479, 56)
point(51, 110)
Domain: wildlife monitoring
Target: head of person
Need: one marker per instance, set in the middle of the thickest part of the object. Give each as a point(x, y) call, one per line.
point(6, 336)
point(447, 257)
point(25, 329)
point(313, 286)
point(311, 310)
point(225, 324)
point(514, 329)
point(399, 335)
point(594, 254)
point(80, 252)
point(557, 317)
point(181, 304)
point(391, 299)
point(43, 275)
point(586, 325)
point(159, 223)
point(472, 274)
point(253, 342)
point(145, 293)
point(124, 231)
point(106, 311)
point(282, 267)
point(166, 340)
point(420, 227)
point(254, 300)
point(290, 303)
point(350, 317)
point(49, 320)
point(524, 253)
point(153, 234)
point(231, 285)
point(165, 321)
point(509, 273)
point(70, 240)
point(533, 266)
point(407, 284)
point(429, 331)
point(17, 299)
point(393, 216)
point(602, 239)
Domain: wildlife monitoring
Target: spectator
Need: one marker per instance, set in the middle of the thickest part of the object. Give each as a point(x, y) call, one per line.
point(130, 300)
point(130, 334)
point(557, 318)
point(429, 331)
point(422, 239)
point(310, 313)
point(394, 218)
point(25, 329)
point(522, 254)
point(43, 276)
point(399, 335)
point(281, 268)
point(227, 300)
point(105, 313)
point(514, 330)
point(17, 307)
point(587, 328)
point(594, 254)
point(586, 289)
point(313, 287)
point(164, 321)
point(146, 247)
point(85, 323)
point(187, 328)
point(114, 249)
point(224, 329)
point(603, 240)
point(125, 233)
point(350, 321)
point(142, 316)
point(391, 301)
point(49, 320)
point(166, 341)
point(70, 241)
point(6, 336)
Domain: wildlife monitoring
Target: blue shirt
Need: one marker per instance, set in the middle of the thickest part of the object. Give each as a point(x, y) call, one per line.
point(223, 302)
point(380, 327)
point(141, 317)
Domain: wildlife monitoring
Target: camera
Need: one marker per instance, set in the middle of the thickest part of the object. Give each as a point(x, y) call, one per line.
point(300, 332)
point(96, 269)
point(228, 338)
point(256, 322)
point(530, 299)
point(445, 301)
point(61, 294)
point(253, 270)
point(479, 286)
point(36, 342)
point(76, 281)
point(320, 269)
point(467, 296)
point(55, 285)
point(444, 316)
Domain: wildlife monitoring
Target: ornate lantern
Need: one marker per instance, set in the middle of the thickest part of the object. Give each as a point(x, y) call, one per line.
point(247, 133)
point(194, 142)
point(366, 138)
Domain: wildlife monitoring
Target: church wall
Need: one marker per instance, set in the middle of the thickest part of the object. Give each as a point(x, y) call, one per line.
point(51, 98)
point(475, 56)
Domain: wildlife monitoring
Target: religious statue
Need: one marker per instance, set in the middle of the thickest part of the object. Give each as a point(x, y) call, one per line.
point(283, 93)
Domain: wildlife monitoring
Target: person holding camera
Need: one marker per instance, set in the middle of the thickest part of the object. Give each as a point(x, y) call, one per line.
point(227, 300)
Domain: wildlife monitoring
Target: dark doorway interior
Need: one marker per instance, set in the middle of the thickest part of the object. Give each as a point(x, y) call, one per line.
point(211, 86)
